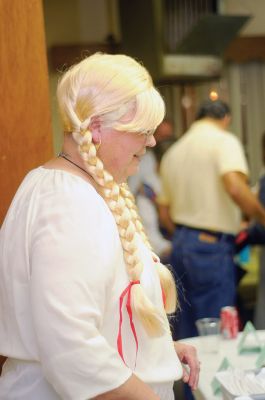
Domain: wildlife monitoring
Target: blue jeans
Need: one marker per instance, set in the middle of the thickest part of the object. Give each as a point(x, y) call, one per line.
point(205, 273)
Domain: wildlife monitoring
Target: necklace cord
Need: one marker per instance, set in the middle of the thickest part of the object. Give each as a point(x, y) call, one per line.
point(62, 155)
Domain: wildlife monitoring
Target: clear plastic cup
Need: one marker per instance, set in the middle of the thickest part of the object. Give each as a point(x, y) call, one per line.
point(209, 331)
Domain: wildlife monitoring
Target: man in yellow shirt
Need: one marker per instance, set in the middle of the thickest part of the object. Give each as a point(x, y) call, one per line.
point(204, 191)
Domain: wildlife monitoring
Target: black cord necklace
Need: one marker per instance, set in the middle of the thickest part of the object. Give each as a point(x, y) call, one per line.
point(62, 155)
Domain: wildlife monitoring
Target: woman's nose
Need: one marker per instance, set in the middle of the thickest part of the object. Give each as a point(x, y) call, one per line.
point(150, 141)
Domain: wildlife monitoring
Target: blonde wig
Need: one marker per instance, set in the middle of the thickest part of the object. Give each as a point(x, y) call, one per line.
point(106, 87)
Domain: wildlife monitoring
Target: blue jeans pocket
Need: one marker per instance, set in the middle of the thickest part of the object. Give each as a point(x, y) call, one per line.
point(204, 266)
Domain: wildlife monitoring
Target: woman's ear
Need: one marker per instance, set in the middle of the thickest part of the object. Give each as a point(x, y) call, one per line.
point(95, 129)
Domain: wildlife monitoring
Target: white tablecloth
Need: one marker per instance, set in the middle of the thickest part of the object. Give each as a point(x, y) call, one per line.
point(210, 362)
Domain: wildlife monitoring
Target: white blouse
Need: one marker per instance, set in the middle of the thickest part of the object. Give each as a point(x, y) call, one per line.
point(62, 273)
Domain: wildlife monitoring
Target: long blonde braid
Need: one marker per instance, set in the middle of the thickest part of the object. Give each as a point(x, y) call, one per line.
point(167, 282)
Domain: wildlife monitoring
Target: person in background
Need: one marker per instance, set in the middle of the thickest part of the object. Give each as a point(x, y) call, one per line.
point(83, 299)
point(164, 136)
point(204, 191)
point(253, 235)
point(146, 186)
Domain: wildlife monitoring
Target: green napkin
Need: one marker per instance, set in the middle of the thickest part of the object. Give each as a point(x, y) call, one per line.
point(249, 341)
point(260, 362)
point(215, 385)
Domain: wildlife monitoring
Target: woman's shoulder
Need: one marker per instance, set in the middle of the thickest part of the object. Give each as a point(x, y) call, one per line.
point(44, 191)
point(42, 183)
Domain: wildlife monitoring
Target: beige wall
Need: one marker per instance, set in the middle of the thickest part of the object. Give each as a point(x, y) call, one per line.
point(246, 83)
point(255, 8)
point(74, 22)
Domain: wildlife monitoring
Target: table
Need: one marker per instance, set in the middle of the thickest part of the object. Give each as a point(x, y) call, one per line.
point(210, 362)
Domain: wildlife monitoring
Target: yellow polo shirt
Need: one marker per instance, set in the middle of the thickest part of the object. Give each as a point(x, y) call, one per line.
point(191, 172)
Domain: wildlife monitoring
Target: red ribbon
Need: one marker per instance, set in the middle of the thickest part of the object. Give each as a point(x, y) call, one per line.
point(129, 311)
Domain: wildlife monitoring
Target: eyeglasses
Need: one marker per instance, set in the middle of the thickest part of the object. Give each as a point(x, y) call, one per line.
point(147, 133)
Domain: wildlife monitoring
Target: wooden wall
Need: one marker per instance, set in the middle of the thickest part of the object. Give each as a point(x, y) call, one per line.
point(25, 121)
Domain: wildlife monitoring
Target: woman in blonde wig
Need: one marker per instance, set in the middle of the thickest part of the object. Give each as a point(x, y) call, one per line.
point(83, 297)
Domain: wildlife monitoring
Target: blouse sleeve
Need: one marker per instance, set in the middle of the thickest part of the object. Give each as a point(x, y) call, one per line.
point(73, 253)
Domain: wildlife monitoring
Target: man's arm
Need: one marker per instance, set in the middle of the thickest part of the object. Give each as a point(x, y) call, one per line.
point(236, 186)
point(165, 218)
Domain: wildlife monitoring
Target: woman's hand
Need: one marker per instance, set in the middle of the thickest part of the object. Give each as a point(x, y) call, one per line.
point(188, 356)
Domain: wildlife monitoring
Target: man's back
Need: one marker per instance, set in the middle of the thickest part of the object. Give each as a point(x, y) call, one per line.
point(192, 172)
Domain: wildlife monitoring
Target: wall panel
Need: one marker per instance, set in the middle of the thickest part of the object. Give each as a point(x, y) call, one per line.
point(25, 122)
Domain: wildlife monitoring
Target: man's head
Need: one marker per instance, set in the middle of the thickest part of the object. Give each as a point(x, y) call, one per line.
point(164, 131)
point(216, 110)
point(164, 138)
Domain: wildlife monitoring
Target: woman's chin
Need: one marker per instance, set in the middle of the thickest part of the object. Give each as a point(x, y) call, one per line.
point(134, 170)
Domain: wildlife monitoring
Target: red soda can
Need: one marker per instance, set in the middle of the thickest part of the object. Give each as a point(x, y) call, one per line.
point(229, 322)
